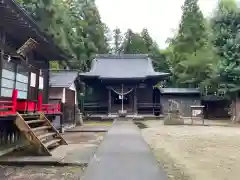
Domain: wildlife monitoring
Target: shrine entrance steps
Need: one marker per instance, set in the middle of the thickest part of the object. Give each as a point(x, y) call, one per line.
point(124, 155)
point(39, 132)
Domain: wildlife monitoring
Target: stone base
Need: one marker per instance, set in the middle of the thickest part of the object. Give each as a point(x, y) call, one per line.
point(173, 119)
point(122, 113)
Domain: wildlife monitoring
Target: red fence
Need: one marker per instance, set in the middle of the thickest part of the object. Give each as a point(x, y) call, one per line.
point(10, 107)
point(52, 108)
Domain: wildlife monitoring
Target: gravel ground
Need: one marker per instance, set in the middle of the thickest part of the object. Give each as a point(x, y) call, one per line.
point(196, 152)
point(40, 173)
point(83, 137)
point(51, 172)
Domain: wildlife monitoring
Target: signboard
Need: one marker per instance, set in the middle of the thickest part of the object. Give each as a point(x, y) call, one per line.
point(196, 112)
point(40, 82)
point(33, 80)
point(29, 45)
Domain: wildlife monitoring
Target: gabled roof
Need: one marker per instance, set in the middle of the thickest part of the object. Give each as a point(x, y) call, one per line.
point(16, 21)
point(126, 66)
point(62, 78)
point(179, 91)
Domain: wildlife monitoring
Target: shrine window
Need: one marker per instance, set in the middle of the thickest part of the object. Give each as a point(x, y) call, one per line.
point(8, 79)
point(14, 76)
point(22, 81)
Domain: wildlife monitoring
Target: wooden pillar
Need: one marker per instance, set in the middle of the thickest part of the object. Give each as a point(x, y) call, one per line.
point(135, 101)
point(2, 42)
point(46, 81)
point(61, 117)
point(109, 101)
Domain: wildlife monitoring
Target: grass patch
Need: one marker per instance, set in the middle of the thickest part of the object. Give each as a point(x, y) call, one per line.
point(140, 125)
point(173, 170)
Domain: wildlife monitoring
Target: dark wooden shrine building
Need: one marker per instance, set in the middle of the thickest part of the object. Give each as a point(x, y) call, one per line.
point(122, 82)
point(24, 74)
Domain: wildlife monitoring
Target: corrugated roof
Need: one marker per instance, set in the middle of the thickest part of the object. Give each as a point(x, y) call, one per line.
point(122, 67)
point(62, 78)
point(179, 91)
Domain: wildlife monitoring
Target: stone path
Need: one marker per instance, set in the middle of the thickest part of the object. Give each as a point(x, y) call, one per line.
point(124, 155)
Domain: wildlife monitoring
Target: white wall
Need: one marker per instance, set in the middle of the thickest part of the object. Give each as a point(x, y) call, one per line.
point(72, 87)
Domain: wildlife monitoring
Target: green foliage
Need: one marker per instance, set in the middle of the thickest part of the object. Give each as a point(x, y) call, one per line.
point(143, 43)
point(117, 40)
point(54, 65)
point(133, 43)
point(190, 55)
point(198, 67)
point(205, 53)
point(75, 25)
point(192, 33)
point(226, 29)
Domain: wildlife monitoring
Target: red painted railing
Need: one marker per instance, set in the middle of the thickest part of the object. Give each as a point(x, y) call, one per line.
point(51, 108)
point(9, 107)
point(54, 108)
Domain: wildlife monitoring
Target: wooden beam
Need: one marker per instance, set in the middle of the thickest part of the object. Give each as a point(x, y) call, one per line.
point(135, 101)
point(109, 101)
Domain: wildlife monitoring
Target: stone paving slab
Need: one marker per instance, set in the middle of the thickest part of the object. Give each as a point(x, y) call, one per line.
point(124, 155)
point(72, 154)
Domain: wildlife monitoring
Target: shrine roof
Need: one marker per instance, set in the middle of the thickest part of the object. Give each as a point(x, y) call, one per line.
point(18, 23)
point(126, 66)
point(62, 78)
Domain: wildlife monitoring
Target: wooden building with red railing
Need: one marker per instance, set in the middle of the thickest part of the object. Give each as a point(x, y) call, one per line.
point(24, 68)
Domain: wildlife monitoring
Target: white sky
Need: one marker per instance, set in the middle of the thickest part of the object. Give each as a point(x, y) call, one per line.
point(160, 17)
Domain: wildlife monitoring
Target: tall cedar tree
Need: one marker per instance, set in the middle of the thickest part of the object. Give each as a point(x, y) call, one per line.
point(192, 31)
point(192, 37)
point(117, 37)
point(226, 29)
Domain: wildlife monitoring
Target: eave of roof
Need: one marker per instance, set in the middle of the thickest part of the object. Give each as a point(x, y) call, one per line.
point(45, 41)
point(179, 91)
point(62, 78)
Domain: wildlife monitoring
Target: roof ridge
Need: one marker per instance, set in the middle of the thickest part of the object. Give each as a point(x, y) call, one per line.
point(122, 56)
point(63, 70)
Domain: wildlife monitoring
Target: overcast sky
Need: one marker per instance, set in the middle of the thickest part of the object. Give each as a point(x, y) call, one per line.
point(160, 17)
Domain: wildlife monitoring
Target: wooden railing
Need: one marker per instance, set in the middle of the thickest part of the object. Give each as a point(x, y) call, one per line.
point(95, 108)
point(151, 105)
point(51, 108)
point(149, 108)
point(102, 108)
point(9, 107)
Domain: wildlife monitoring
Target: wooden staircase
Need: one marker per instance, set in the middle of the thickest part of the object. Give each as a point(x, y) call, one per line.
point(40, 132)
